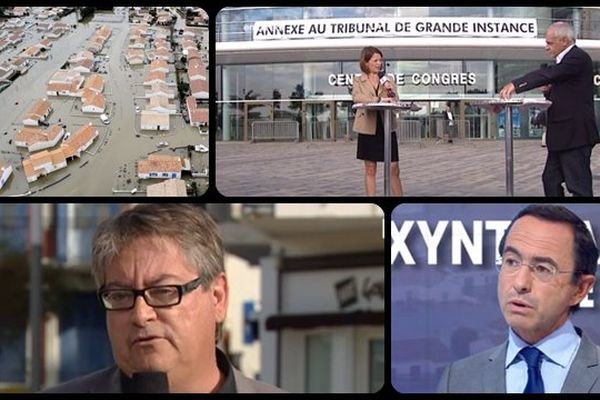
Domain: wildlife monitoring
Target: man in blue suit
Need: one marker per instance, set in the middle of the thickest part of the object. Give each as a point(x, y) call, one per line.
point(547, 268)
point(572, 131)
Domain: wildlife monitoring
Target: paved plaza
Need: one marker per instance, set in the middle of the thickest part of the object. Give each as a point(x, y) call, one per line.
point(464, 168)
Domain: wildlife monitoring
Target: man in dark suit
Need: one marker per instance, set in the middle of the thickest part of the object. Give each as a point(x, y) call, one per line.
point(548, 266)
point(572, 131)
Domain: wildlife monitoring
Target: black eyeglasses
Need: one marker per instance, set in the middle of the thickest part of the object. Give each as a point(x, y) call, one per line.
point(155, 296)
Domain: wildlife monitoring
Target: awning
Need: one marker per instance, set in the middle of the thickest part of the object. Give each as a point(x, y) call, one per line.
point(308, 321)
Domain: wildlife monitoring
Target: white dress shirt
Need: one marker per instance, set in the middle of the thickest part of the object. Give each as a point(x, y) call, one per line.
point(559, 349)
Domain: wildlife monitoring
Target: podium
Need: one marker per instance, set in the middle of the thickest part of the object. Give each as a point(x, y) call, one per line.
point(387, 109)
point(497, 105)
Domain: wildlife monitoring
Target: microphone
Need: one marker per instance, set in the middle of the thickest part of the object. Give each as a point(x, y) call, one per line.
point(383, 78)
point(147, 382)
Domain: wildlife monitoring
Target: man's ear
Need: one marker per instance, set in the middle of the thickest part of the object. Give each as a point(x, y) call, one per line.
point(219, 291)
point(586, 282)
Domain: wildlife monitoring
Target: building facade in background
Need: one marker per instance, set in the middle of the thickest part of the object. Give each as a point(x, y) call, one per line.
point(284, 64)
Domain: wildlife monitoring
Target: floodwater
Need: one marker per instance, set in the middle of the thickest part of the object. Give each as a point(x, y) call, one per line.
point(121, 143)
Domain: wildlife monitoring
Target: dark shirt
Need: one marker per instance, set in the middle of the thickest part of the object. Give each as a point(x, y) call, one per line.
point(228, 385)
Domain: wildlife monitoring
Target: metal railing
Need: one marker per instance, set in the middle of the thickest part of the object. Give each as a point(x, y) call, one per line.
point(275, 130)
point(409, 131)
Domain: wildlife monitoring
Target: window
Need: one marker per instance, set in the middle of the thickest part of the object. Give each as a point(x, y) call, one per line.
point(318, 363)
point(376, 364)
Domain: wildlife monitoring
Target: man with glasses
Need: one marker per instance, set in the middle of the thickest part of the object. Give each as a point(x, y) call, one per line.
point(159, 270)
point(547, 268)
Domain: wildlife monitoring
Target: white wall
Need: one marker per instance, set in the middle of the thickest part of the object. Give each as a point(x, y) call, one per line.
point(244, 285)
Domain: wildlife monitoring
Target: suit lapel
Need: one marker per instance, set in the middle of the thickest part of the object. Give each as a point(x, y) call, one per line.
point(584, 370)
point(494, 376)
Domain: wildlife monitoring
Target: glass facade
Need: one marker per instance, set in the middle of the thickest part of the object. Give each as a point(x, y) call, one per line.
point(317, 94)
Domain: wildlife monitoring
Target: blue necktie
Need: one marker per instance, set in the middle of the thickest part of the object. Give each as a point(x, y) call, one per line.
point(533, 358)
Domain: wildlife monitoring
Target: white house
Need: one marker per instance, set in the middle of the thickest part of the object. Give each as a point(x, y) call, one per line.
point(154, 121)
point(199, 89)
point(161, 104)
point(159, 65)
point(79, 141)
point(160, 89)
point(155, 77)
point(35, 139)
point(43, 163)
point(92, 102)
point(38, 112)
point(160, 166)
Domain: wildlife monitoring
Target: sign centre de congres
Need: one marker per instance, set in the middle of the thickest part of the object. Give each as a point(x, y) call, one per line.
point(394, 27)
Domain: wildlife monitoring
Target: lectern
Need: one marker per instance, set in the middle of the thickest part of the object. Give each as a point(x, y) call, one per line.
point(497, 105)
point(387, 109)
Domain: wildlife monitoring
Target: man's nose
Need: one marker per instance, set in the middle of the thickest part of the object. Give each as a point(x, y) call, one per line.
point(142, 312)
point(523, 279)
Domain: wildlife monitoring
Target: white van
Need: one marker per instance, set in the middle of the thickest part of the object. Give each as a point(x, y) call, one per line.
point(104, 119)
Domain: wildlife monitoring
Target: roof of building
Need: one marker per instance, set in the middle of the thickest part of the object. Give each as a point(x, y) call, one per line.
point(193, 54)
point(196, 68)
point(91, 97)
point(159, 101)
point(32, 51)
point(63, 75)
point(161, 86)
point(160, 163)
point(40, 158)
point(190, 101)
point(39, 109)
point(83, 54)
point(199, 115)
point(162, 52)
point(158, 64)
point(78, 140)
point(153, 118)
point(199, 85)
point(94, 82)
point(85, 62)
point(136, 53)
point(169, 187)
point(34, 135)
point(156, 75)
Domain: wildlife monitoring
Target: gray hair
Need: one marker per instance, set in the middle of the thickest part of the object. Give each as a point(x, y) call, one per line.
point(563, 30)
point(187, 225)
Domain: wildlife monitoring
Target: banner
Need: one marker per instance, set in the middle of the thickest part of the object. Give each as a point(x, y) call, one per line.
point(395, 27)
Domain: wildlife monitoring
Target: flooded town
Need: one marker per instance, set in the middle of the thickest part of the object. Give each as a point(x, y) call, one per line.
point(103, 102)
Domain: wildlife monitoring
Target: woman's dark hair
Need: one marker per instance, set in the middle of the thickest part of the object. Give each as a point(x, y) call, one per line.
point(365, 55)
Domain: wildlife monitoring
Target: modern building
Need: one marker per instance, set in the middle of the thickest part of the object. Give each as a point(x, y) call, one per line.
point(297, 63)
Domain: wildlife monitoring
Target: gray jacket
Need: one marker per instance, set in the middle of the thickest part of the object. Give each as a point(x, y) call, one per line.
point(109, 381)
point(484, 372)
